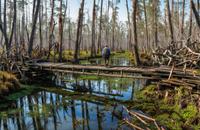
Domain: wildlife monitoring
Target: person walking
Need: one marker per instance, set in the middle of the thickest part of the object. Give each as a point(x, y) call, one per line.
point(106, 54)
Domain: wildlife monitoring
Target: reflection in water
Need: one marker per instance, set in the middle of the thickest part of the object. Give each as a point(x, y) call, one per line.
point(52, 111)
point(115, 61)
point(57, 112)
point(47, 111)
point(120, 88)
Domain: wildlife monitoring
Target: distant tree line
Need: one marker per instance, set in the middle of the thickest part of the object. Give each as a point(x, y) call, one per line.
point(42, 26)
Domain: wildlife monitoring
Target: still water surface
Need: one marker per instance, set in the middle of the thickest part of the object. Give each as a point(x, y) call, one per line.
point(57, 110)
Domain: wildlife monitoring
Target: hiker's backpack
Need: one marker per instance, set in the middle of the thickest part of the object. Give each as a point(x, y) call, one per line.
point(106, 51)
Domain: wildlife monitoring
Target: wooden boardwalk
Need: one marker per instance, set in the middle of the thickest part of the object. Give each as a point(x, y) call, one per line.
point(115, 71)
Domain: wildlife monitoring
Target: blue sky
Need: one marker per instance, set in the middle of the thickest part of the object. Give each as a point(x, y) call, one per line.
point(75, 4)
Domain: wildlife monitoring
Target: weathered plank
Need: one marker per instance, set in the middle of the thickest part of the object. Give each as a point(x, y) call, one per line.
point(115, 71)
point(179, 77)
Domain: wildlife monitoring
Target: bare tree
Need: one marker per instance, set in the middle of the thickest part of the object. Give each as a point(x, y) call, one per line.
point(93, 48)
point(155, 19)
point(129, 27)
point(3, 28)
point(135, 44)
point(100, 28)
point(22, 39)
point(60, 32)
point(196, 14)
point(170, 22)
point(30, 47)
point(40, 27)
point(183, 18)
point(114, 17)
point(79, 31)
point(146, 24)
point(190, 22)
point(13, 27)
point(51, 29)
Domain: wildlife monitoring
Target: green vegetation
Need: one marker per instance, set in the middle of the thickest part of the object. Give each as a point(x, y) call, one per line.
point(126, 54)
point(175, 109)
point(23, 91)
point(69, 55)
point(19, 93)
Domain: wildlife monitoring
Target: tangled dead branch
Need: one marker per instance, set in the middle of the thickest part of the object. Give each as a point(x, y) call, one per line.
point(180, 54)
point(185, 55)
point(145, 120)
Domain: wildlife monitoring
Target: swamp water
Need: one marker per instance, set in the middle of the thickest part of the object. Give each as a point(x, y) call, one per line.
point(76, 103)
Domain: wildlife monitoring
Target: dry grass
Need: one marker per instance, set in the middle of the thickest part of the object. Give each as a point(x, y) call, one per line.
point(8, 83)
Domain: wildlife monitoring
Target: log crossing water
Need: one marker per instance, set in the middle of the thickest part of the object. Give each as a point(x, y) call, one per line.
point(162, 72)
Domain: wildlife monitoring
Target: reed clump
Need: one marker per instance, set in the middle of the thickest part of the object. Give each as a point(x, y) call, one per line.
point(8, 83)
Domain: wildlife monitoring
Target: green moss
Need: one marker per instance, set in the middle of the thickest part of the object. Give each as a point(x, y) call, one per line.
point(189, 112)
point(171, 115)
point(146, 92)
point(197, 127)
point(21, 93)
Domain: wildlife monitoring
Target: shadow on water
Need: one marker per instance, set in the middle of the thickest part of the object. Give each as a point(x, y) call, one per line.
point(47, 110)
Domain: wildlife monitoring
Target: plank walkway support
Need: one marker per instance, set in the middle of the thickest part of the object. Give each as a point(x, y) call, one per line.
point(114, 70)
point(156, 73)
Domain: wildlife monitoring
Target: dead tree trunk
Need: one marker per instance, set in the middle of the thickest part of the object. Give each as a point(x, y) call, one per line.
point(13, 28)
point(135, 45)
point(165, 21)
point(79, 32)
point(93, 49)
point(60, 32)
point(155, 19)
point(1, 39)
point(69, 34)
point(51, 27)
point(190, 23)
point(30, 47)
point(22, 39)
point(183, 19)
point(129, 28)
point(196, 14)
point(5, 20)
point(107, 28)
point(100, 28)
point(170, 22)
point(33, 10)
point(146, 25)
point(46, 23)
point(172, 10)
point(0, 13)
point(40, 28)
point(3, 28)
point(15, 31)
point(178, 13)
point(113, 26)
